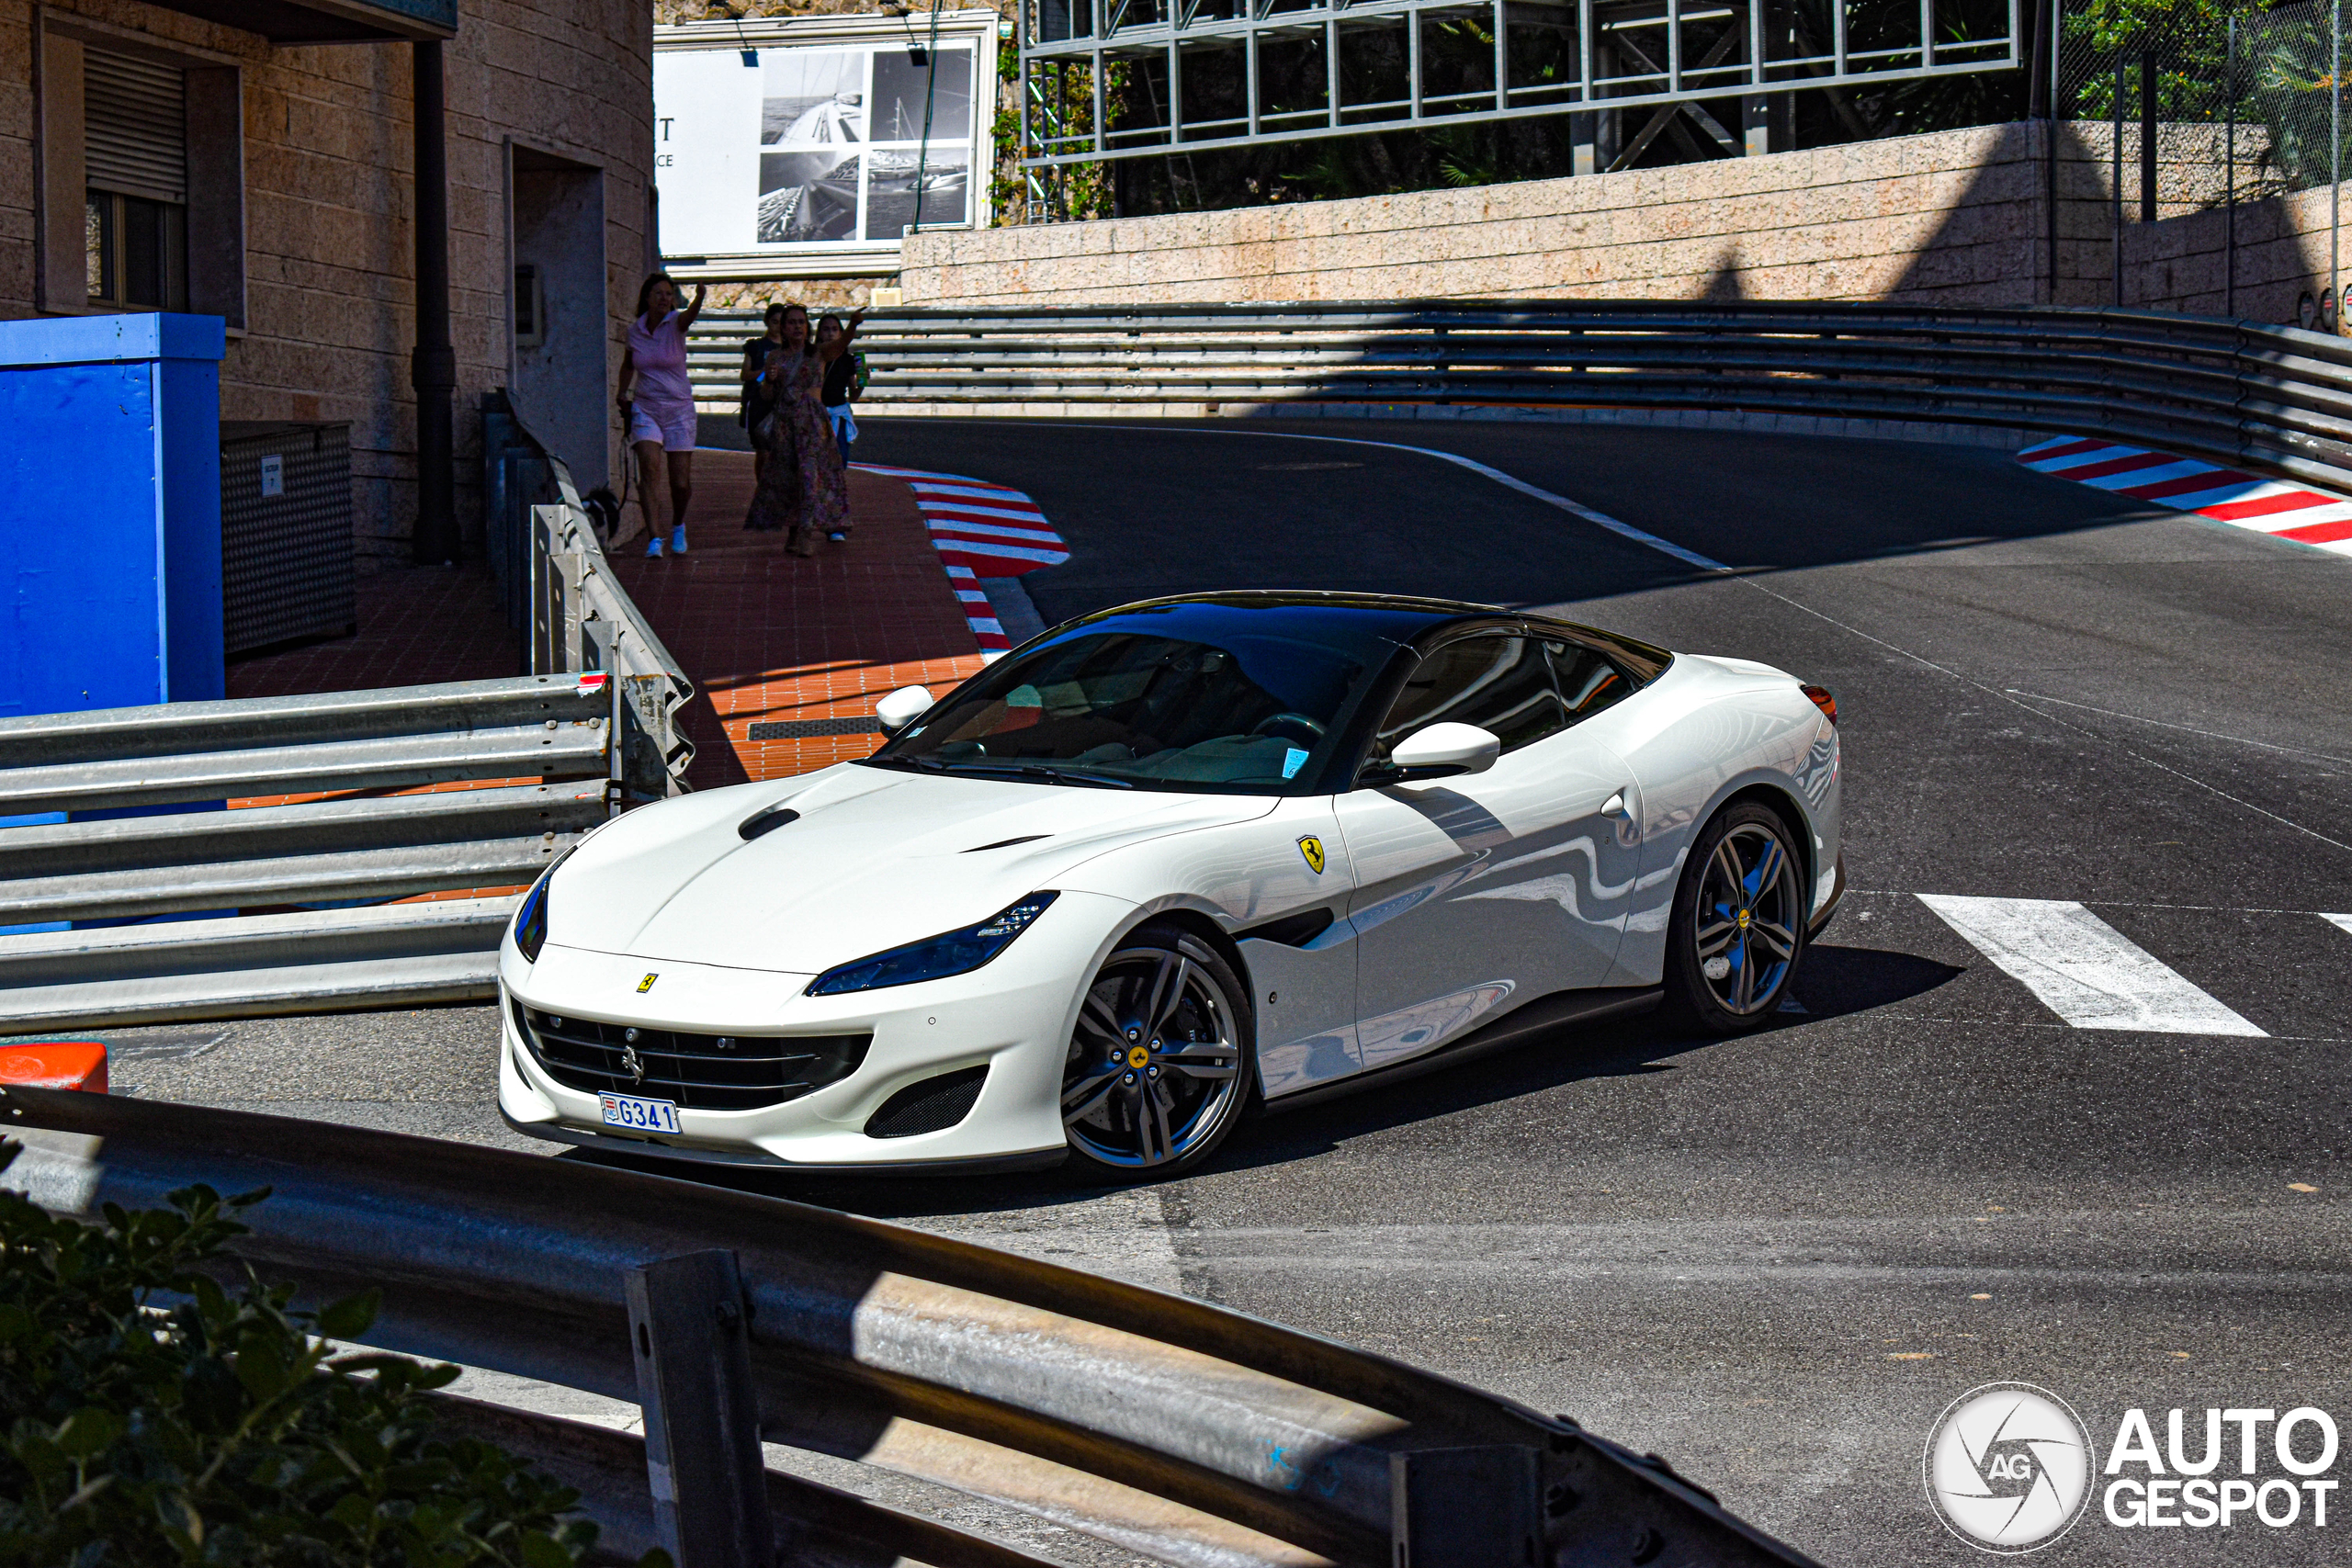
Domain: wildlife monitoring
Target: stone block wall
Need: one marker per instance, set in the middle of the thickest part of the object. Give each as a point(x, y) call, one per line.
point(1858, 221)
point(1959, 217)
point(329, 197)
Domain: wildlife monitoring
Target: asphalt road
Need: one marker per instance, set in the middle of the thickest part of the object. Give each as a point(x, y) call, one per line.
point(1773, 1260)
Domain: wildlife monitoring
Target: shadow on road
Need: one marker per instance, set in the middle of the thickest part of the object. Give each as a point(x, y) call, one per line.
point(1835, 981)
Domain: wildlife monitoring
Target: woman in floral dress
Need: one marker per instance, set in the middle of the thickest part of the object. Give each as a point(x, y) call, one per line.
point(805, 484)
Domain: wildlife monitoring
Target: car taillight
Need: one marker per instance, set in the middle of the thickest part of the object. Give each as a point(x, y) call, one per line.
point(1823, 698)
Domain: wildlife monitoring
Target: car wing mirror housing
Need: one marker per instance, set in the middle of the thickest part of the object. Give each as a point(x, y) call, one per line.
point(902, 708)
point(1443, 752)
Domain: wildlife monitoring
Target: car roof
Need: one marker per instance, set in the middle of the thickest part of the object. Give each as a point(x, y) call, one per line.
point(1398, 617)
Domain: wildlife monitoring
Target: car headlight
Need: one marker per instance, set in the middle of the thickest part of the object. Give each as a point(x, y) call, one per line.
point(531, 915)
point(956, 952)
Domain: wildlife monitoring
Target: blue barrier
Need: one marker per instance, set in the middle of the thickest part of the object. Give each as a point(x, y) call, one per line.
point(110, 471)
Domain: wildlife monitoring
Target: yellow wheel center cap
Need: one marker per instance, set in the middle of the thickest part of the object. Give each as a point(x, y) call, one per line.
point(1743, 920)
point(1138, 1057)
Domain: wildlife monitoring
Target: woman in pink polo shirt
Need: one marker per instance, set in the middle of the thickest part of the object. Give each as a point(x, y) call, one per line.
point(662, 415)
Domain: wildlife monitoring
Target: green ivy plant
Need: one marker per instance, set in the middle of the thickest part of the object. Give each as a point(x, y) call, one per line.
point(147, 1416)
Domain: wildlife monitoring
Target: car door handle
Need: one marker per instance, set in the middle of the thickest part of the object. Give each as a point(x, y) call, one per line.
point(1614, 805)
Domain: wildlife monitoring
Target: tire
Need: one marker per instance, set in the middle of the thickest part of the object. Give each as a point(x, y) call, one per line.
point(1755, 935)
point(1144, 1102)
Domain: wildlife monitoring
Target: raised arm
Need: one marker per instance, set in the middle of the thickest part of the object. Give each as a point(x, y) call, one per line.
point(686, 322)
point(829, 352)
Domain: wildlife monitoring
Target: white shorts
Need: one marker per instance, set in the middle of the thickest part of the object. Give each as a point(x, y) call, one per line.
point(673, 428)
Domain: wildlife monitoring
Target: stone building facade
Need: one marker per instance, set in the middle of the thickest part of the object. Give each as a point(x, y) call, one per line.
point(295, 214)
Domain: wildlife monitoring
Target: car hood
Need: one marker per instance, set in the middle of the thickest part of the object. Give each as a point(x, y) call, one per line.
point(876, 858)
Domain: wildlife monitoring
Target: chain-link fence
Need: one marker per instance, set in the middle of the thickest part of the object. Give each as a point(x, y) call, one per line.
point(2189, 106)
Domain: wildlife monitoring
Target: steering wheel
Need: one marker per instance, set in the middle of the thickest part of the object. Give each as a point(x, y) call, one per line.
point(1267, 725)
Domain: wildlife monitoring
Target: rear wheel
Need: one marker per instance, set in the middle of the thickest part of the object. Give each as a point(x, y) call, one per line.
point(1158, 1065)
point(1738, 925)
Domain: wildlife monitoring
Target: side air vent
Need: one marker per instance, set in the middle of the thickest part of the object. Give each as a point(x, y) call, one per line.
point(767, 822)
point(1008, 843)
point(929, 1106)
point(1291, 931)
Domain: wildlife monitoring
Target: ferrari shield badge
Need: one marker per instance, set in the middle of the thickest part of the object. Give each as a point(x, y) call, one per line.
point(647, 984)
point(1312, 848)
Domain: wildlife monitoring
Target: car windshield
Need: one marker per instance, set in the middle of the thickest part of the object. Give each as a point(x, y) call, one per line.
point(1194, 703)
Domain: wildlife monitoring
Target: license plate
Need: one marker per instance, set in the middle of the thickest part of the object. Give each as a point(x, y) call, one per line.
point(640, 1115)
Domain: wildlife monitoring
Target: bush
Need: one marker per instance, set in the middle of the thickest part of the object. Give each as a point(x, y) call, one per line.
point(219, 1427)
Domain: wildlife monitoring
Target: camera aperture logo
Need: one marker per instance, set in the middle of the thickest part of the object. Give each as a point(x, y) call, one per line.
point(2008, 1468)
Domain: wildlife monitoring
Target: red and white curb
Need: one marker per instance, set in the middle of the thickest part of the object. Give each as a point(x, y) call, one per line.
point(980, 530)
point(2276, 507)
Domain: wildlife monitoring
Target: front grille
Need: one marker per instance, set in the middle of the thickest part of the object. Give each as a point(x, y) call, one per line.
point(700, 1071)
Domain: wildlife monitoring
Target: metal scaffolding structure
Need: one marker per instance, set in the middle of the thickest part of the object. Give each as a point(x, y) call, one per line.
point(1191, 76)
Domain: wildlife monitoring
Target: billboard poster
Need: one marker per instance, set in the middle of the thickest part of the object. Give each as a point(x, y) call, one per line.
point(836, 145)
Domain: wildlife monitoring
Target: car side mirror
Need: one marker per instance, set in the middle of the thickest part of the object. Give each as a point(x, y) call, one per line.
point(902, 708)
point(1443, 752)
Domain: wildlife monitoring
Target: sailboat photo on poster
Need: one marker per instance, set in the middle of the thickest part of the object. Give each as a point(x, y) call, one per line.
point(768, 146)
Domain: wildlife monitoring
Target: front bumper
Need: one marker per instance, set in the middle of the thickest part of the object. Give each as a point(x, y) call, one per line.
point(1014, 1016)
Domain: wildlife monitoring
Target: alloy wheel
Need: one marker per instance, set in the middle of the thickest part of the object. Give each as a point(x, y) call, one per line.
point(1154, 1072)
point(1750, 910)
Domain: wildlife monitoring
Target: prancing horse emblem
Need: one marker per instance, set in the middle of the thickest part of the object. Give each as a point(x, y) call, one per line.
point(632, 1066)
point(1312, 848)
point(647, 984)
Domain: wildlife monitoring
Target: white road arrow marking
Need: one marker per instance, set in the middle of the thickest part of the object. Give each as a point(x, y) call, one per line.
point(2083, 969)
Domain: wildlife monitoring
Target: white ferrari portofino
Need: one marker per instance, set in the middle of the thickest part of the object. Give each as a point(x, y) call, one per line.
point(1169, 862)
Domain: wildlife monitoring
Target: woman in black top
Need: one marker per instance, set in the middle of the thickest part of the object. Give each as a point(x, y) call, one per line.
point(756, 401)
point(841, 386)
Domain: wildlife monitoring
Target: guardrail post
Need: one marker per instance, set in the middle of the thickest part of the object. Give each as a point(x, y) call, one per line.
point(687, 1327)
point(1465, 1507)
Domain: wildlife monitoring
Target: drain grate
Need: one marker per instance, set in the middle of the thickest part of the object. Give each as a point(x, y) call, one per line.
point(809, 728)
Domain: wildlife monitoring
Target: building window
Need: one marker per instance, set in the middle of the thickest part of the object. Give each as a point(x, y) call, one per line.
point(135, 158)
point(138, 255)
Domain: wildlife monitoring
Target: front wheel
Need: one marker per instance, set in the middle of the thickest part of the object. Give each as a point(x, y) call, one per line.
point(1739, 923)
point(1160, 1063)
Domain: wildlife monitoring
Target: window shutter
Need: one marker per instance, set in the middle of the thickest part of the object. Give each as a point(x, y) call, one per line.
point(135, 121)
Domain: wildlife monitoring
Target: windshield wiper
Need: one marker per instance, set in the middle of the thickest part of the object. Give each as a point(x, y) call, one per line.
point(1013, 770)
point(1067, 775)
point(1040, 771)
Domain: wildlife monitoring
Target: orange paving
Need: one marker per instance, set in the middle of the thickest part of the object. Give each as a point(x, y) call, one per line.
point(769, 637)
point(763, 635)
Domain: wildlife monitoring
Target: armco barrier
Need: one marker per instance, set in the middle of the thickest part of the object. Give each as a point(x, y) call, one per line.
point(1172, 1428)
point(301, 895)
point(2241, 392)
point(278, 879)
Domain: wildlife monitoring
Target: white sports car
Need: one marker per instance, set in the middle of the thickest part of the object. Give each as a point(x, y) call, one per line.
point(1168, 863)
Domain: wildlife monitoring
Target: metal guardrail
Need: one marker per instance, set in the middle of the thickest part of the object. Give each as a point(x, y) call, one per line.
point(1170, 1427)
point(2272, 398)
point(285, 906)
point(582, 619)
point(292, 901)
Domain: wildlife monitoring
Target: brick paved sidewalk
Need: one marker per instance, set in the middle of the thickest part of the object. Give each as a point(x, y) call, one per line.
point(773, 639)
point(767, 638)
point(417, 626)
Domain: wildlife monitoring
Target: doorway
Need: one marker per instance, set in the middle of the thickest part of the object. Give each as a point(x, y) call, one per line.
point(561, 331)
